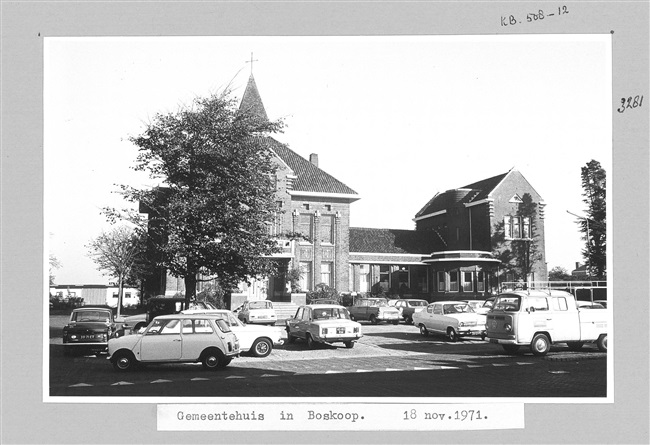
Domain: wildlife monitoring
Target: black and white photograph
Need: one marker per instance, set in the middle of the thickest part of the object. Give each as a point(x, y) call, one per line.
point(362, 235)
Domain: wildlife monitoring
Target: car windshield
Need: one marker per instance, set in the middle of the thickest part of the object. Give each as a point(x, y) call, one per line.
point(99, 316)
point(456, 308)
point(507, 303)
point(330, 312)
point(418, 303)
point(260, 305)
point(229, 318)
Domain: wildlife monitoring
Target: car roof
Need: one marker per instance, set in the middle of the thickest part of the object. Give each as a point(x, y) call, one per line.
point(450, 302)
point(323, 305)
point(92, 308)
point(186, 316)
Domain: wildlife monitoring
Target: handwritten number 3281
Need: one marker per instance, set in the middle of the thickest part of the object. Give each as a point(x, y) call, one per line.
point(630, 102)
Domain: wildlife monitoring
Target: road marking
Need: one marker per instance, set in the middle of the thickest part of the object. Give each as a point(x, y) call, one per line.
point(364, 370)
point(422, 369)
point(79, 384)
point(449, 367)
point(202, 378)
point(475, 366)
point(161, 381)
point(269, 375)
point(524, 363)
point(121, 383)
point(499, 364)
point(394, 369)
point(235, 377)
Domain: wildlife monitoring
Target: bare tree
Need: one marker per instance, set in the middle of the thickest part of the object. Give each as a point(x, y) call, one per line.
point(54, 264)
point(116, 253)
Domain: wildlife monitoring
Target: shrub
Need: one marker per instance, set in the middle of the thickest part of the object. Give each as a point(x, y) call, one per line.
point(323, 291)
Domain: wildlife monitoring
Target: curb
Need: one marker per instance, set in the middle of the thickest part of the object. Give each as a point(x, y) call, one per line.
point(575, 357)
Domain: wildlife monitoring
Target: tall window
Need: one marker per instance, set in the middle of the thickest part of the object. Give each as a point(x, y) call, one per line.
point(468, 284)
point(442, 281)
point(526, 222)
point(507, 229)
point(364, 278)
point(305, 275)
point(384, 276)
point(327, 229)
point(480, 281)
point(326, 273)
point(453, 281)
point(305, 225)
point(516, 227)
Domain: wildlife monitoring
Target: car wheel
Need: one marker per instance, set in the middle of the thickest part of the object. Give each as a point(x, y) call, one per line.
point(349, 344)
point(262, 347)
point(123, 361)
point(373, 319)
point(540, 345)
point(575, 345)
point(212, 359)
point(396, 322)
point(483, 336)
point(225, 362)
point(511, 349)
point(602, 343)
point(424, 331)
point(408, 320)
point(310, 342)
point(452, 335)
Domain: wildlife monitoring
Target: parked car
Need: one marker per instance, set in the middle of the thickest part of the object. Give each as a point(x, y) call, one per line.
point(373, 310)
point(408, 307)
point(480, 306)
point(323, 323)
point(540, 318)
point(257, 340)
point(257, 311)
point(177, 338)
point(454, 319)
point(156, 306)
point(88, 329)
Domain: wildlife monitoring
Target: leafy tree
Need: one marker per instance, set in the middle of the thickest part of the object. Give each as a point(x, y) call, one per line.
point(593, 226)
point(207, 219)
point(54, 264)
point(117, 254)
point(559, 273)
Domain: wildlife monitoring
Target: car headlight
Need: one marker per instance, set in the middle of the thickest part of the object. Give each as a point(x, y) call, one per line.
point(461, 324)
point(356, 330)
point(507, 327)
point(323, 331)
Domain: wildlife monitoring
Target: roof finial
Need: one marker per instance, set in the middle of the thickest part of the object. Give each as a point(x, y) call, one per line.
point(251, 62)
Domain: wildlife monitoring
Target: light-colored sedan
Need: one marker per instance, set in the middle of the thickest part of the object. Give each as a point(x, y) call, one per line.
point(257, 312)
point(454, 319)
point(257, 340)
point(177, 338)
point(323, 323)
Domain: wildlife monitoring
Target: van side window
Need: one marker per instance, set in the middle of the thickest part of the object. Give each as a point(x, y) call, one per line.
point(562, 303)
point(538, 303)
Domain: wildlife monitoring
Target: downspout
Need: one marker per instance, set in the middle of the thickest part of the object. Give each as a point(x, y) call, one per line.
point(470, 227)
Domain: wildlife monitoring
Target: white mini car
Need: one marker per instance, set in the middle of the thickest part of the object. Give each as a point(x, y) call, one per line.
point(451, 318)
point(257, 311)
point(177, 338)
point(257, 340)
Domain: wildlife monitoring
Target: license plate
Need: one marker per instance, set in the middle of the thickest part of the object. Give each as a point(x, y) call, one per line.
point(494, 340)
point(340, 330)
point(264, 316)
point(87, 337)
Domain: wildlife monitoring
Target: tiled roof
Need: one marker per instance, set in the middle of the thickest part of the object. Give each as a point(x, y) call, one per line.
point(395, 241)
point(463, 195)
point(252, 101)
point(309, 177)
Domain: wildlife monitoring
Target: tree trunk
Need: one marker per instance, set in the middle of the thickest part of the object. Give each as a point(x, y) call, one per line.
point(190, 282)
point(120, 291)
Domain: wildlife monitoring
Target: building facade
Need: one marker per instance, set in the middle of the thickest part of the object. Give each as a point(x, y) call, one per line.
point(465, 243)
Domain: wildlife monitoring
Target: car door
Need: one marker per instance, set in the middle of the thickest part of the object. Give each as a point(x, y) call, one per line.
point(437, 318)
point(162, 341)
point(294, 323)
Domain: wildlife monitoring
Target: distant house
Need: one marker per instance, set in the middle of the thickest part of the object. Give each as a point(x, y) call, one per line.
point(580, 271)
point(96, 294)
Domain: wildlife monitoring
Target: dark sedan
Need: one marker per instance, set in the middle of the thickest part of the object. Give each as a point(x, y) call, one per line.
point(88, 330)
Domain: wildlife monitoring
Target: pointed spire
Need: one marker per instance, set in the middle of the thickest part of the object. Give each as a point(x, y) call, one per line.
point(252, 102)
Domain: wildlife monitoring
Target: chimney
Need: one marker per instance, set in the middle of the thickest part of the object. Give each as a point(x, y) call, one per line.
point(577, 265)
point(313, 158)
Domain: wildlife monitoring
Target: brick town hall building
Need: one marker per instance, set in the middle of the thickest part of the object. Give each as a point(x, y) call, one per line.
point(447, 256)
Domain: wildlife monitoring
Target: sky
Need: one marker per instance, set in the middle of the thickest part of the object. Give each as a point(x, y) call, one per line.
point(396, 118)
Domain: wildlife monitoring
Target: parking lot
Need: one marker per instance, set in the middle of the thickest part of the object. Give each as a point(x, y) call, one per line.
point(385, 353)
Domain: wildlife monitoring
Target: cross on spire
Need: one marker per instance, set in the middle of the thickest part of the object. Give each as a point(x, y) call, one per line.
point(251, 62)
